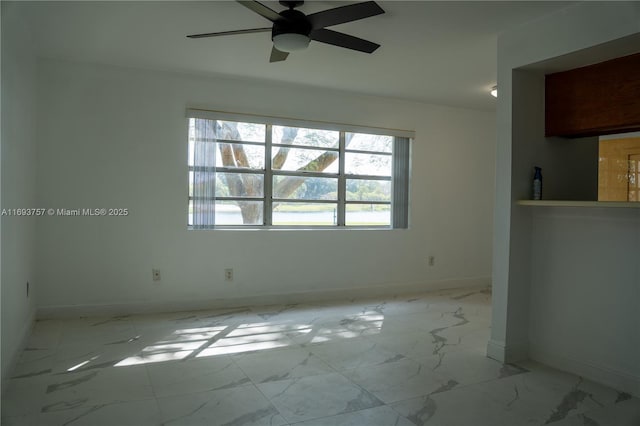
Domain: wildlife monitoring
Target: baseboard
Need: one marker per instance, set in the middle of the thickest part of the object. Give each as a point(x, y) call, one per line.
point(125, 308)
point(501, 352)
point(619, 380)
point(17, 351)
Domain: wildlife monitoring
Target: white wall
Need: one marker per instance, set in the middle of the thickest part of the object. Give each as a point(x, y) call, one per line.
point(115, 137)
point(525, 288)
point(18, 184)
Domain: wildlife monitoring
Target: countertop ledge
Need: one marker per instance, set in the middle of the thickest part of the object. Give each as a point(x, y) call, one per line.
point(563, 203)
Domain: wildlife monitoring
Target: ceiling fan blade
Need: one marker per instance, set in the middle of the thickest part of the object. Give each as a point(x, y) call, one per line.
point(223, 33)
point(343, 40)
point(261, 9)
point(340, 15)
point(277, 55)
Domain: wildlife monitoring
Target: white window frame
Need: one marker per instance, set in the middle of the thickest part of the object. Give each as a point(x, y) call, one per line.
point(399, 203)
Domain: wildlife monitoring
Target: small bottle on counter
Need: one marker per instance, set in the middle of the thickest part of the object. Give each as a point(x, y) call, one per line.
point(537, 183)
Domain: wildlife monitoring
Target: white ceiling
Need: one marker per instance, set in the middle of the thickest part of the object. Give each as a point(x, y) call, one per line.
point(437, 52)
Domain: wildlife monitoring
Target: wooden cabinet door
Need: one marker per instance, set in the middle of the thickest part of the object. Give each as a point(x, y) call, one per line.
point(598, 99)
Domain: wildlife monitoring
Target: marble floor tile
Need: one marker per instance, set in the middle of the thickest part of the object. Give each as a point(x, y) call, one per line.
point(281, 365)
point(430, 320)
point(466, 368)
point(99, 332)
point(459, 332)
point(88, 356)
point(418, 345)
point(44, 336)
point(169, 320)
point(545, 395)
point(195, 375)
point(313, 397)
point(23, 397)
point(165, 351)
point(183, 333)
point(279, 312)
point(34, 362)
point(334, 310)
point(377, 416)
point(96, 388)
point(34, 354)
point(136, 413)
point(401, 324)
point(320, 334)
point(401, 304)
point(475, 340)
point(239, 406)
point(418, 322)
point(339, 328)
point(257, 328)
point(463, 406)
point(416, 359)
point(354, 353)
point(97, 323)
point(246, 343)
point(622, 413)
point(357, 325)
point(228, 317)
point(398, 380)
point(24, 420)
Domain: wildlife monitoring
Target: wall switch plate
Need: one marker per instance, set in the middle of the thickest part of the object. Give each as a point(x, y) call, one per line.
point(156, 274)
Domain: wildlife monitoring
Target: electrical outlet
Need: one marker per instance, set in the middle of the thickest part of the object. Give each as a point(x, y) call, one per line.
point(155, 273)
point(431, 260)
point(228, 274)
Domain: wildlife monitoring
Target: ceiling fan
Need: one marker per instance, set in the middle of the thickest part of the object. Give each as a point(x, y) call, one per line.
point(293, 30)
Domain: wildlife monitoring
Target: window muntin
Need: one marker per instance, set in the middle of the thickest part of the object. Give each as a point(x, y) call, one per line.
point(315, 177)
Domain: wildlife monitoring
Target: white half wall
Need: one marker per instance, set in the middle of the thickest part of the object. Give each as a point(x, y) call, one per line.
point(585, 293)
point(529, 287)
point(116, 137)
point(18, 185)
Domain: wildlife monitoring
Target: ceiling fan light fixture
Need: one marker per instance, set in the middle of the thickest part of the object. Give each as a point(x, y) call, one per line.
point(290, 42)
point(293, 30)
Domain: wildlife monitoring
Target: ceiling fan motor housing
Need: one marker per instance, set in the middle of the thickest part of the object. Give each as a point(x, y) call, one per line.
point(291, 4)
point(293, 21)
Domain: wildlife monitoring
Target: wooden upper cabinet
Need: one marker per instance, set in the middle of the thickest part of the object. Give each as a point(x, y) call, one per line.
point(594, 100)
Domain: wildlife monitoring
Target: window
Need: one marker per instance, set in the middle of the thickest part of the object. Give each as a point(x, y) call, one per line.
point(256, 172)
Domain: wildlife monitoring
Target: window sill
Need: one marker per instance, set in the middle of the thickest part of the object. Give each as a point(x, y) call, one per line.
point(295, 228)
